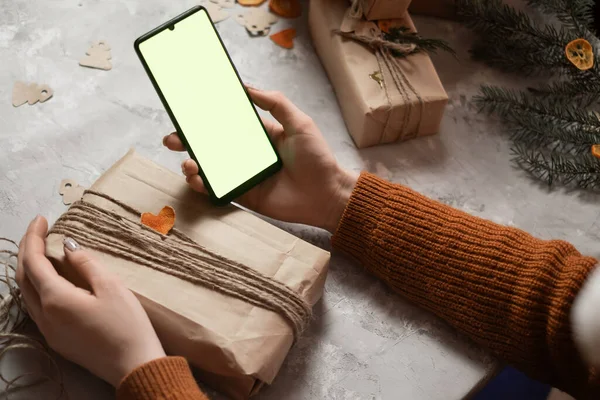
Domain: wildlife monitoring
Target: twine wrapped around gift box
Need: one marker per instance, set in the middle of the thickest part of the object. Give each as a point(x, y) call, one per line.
point(383, 98)
point(178, 255)
point(356, 28)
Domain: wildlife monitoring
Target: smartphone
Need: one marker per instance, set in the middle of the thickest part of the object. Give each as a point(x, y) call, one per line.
point(209, 105)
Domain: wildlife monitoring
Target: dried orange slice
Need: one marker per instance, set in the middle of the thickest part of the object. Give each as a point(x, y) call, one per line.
point(596, 150)
point(163, 222)
point(285, 38)
point(387, 24)
point(580, 53)
point(251, 3)
point(286, 8)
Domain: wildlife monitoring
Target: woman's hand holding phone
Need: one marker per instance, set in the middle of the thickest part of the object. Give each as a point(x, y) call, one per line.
point(311, 188)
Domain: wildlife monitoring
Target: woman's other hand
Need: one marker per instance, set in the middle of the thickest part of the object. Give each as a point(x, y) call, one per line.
point(105, 329)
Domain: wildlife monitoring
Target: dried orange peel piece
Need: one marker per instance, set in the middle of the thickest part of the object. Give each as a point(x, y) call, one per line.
point(251, 3)
point(388, 24)
point(286, 8)
point(285, 38)
point(162, 223)
point(580, 53)
point(596, 150)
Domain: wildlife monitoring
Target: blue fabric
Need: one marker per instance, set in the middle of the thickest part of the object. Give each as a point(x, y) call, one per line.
point(512, 384)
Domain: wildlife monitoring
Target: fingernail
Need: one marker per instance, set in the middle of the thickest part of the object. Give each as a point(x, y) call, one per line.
point(71, 244)
point(252, 87)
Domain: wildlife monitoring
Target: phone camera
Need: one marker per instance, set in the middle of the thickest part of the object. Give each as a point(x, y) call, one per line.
point(172, 27)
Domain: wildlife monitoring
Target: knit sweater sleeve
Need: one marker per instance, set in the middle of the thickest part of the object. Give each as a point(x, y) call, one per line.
point(508, 291)
point(168, 378)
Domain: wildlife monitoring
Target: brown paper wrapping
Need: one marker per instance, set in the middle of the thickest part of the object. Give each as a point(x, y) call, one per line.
point(370, 118)
point(236, 347)
point(384, 9)
point(434, 8)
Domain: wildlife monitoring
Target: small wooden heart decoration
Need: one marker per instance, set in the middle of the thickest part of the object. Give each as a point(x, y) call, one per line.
point(161, 223)
point(70, 191)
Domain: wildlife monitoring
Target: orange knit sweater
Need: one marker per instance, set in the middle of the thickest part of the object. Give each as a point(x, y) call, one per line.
point(508, 291)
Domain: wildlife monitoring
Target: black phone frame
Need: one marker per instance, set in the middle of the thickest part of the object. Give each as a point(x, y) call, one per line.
point(250, 183)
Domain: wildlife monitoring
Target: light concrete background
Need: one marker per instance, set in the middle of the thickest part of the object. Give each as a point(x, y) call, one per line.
point(366, 342)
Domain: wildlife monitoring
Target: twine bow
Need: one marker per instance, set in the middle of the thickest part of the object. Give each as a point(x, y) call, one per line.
point(355, 28)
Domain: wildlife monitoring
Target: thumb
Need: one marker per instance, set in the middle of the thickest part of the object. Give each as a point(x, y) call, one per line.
point(88, 272)
point(281, 108)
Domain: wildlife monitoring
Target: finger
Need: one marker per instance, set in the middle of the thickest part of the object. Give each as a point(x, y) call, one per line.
point(32, 300)
point(35, 265)
point(172, 142)
point(273, 128)
point(94, 275)
point(196, 183)
point(189, 167)
point(282, 109)
point(190, 170)
point(30, 296)
point(20, 272)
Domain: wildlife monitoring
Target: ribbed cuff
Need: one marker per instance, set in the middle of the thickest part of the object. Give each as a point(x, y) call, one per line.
point(167, 378)
point(361, 216)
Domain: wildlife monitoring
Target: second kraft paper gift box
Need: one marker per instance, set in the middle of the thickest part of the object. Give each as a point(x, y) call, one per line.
point(383, 9)
point(376, 112)
point(235, 347)
point(445, 9)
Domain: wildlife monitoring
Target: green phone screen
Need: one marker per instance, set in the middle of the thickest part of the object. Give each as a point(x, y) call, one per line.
point(207, 99)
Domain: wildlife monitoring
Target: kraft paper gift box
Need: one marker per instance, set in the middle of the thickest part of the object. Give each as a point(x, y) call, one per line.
point(435, 8)
point(384, 9)
point(235, 347)
point(376, 113)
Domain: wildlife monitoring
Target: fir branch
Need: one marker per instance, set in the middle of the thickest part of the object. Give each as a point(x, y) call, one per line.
point(520, 58)
point(554, 167)
point(510, 40)
point(404, 36)
point(578, 92)
point(578, 15)
point(496, 20)
point(542, 134)
point(506, 102)
point(551, 130)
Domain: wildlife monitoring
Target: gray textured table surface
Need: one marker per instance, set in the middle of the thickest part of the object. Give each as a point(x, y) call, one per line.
point(366, 342)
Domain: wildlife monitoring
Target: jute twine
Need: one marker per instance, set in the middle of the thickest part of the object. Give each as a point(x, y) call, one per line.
point(178, 255)
point(383, 51)
point(12, 319)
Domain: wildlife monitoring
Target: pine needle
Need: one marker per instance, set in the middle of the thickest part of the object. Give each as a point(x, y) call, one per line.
point(555, 167)
point(404, 35)
point(577, 15)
